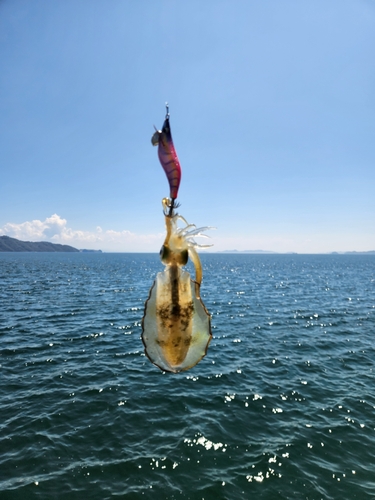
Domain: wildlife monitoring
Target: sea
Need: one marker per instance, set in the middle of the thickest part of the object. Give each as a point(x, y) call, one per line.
point(281, 407)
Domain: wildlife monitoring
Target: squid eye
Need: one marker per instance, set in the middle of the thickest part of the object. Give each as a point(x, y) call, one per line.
point(165, 254)
point(184, 257)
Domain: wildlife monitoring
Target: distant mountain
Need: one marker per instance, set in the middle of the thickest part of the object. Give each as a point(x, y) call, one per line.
point(369, 251)
point(354, 252)
point(8, 244)
point(246, 251)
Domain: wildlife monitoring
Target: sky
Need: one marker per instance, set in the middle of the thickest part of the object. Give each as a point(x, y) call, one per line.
point(272, 107)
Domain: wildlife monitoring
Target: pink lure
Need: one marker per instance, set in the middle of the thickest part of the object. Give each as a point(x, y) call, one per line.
point(168, 156)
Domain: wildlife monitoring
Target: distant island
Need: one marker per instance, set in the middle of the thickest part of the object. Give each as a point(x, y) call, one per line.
point(368, 252)
point(84, 250)
point(246, 251)
point(355, 252)
point(8, 244)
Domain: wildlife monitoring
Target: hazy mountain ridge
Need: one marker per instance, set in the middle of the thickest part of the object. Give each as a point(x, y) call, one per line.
point(294, 253)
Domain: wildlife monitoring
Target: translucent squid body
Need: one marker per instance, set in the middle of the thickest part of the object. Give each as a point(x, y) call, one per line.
point(176, 326)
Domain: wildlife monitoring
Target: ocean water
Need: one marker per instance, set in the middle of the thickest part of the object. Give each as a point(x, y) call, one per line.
point(282, 406)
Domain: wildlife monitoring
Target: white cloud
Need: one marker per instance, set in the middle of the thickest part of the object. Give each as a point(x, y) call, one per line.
point(56, 230)
point(36, 229)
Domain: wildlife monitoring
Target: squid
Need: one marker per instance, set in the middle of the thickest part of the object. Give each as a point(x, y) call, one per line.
point(176, 326)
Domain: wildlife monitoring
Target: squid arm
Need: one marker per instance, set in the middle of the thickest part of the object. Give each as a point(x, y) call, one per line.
point(193, 254)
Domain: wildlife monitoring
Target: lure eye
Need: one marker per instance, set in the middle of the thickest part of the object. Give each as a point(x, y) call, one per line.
point(155, 138)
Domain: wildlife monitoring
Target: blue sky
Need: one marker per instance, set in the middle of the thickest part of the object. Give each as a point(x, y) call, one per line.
point(272, 108)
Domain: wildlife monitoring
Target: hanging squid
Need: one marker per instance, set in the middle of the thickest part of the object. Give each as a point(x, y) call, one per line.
point(176, 326)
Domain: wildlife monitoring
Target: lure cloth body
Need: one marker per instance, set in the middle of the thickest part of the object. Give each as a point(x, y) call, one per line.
point(168, 156)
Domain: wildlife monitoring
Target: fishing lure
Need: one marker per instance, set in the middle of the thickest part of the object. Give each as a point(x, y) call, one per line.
point(168, 156)
point(176, 326)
